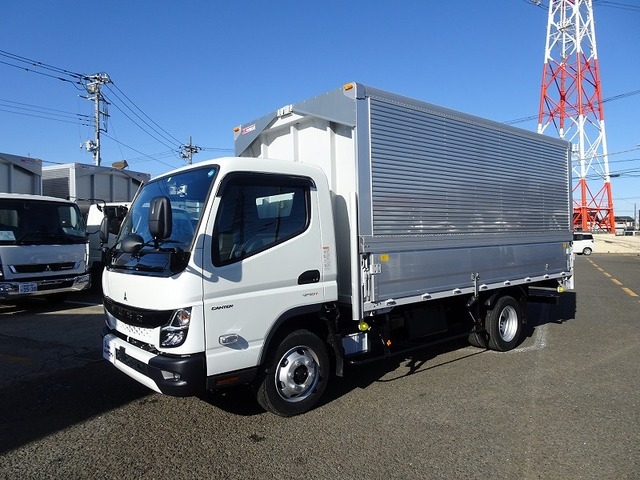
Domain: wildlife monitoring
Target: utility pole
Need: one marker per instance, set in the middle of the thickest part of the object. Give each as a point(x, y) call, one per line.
point(189, 150)
point(93, 87)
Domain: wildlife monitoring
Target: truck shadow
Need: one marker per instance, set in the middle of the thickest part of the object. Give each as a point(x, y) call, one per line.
point(543, 313)
point(240, 401)
point(34, 409)
point(38, 305)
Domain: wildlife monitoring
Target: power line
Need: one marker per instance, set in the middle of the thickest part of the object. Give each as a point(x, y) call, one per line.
point(26, 109)
point(88, 83)
point(23, 63)
point(143, 113)
point(618, 5)
point(144, 155)
point(217, 149)
point(609, 99)
point(161, 141)
point(601, 3)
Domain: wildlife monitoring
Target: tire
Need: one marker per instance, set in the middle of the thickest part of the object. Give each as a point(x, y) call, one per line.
point(586, 251)
point(478, 339)
point(296, 375)
point(504, 324)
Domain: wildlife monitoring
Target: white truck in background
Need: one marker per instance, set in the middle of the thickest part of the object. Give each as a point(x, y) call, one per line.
point(43, 244)
point(113, 214)
point(351, 227)
point(101, 192)
point(20, 174)
point(88, 184)
point(43, 248)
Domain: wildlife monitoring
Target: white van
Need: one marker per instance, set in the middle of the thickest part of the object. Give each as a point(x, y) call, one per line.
point(583, 243)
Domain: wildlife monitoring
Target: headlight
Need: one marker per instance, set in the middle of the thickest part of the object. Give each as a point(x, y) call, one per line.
point(175, 332)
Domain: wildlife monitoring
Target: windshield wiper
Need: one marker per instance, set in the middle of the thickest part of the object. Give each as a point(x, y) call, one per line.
point(22, 237)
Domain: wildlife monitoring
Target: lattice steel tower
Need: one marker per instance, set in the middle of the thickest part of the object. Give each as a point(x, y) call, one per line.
point(571, 102)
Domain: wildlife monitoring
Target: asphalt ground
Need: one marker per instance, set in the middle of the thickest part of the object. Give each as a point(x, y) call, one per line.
point(565, 404)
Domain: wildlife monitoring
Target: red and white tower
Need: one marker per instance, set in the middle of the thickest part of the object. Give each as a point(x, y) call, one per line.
point(571, 102)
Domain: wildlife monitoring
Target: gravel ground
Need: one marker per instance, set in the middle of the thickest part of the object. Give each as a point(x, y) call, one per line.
point(616, 244)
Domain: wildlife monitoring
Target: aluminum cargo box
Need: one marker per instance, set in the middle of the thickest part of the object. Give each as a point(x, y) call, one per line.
point(20, 174)
point(446, 202)
point(87, 184)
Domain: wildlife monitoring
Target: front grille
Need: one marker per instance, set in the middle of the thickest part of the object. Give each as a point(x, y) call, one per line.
point(43, 267)
point(137, 316)
point(140, 333)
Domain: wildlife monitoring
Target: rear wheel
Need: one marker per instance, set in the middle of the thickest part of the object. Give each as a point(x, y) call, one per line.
point(586, 251)
point(296, 375)
point(504, 324)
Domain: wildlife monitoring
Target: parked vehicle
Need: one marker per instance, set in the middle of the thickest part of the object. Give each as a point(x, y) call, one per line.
point(583, 243)
point(89, 184)
point(20, 174)
point(352, 227)
point(43, 248)
point(93, 187)
point(113, 214)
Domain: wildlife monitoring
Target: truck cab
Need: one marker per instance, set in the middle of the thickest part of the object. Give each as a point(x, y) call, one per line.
point(180, 283)
point(43, 248)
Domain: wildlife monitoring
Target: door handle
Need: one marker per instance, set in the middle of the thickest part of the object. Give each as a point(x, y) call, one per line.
point(310, 276)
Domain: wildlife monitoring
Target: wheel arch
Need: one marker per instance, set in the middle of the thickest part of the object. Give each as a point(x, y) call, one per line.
point(520, 293)
point(306, 317)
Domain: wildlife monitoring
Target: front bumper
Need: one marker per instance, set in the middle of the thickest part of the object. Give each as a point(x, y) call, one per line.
point(43, 286)
point(177, 376)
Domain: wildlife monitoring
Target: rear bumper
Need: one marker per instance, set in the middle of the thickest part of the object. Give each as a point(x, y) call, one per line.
point(44, 286)
point(176, 376)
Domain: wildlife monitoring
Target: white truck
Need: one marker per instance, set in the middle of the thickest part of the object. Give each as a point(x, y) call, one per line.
point(351, 227)
point(100, 192)
point(88, 184)
point(43, 248)
point(113, 214)
point(20, 174)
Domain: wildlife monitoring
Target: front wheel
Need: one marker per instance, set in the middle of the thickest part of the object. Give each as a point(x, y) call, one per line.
point(586, 251)
point(296, 375)
point(504, 324)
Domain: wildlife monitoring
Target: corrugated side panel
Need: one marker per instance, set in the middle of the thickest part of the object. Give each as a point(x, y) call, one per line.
point(56, 187)
point(436, 174)
point(456, 198)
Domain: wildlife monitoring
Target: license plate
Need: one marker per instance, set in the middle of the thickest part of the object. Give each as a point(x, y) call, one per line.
point(28, 287)
point(108, 350)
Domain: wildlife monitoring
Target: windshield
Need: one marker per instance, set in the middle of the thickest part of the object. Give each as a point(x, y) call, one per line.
point(37, 222)
point(187, 192)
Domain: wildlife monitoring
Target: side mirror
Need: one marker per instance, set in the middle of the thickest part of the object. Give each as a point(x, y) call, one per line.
point(132, 243)
point(160, 218)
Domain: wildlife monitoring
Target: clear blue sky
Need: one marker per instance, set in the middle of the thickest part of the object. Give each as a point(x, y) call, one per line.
point(198, 68)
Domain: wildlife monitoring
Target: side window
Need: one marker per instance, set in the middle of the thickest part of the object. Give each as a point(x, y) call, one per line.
point(115, 216)
point(257, 212)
